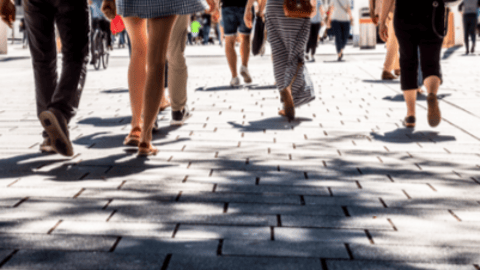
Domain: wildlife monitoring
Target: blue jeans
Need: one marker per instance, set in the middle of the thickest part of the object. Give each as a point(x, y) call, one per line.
point(342, 31)
point(206, 34)
point(233, 21)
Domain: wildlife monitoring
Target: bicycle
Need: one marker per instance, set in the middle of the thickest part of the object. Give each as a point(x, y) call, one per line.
point(100, 55)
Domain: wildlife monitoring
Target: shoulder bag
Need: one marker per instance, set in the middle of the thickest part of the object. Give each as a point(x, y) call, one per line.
point(298, 8)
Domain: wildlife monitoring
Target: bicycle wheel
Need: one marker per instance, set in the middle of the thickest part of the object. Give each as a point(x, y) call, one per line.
point(98, 51)
point(106, 54)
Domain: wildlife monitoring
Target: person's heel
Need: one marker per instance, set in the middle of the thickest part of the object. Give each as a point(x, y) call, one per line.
point(434, 115)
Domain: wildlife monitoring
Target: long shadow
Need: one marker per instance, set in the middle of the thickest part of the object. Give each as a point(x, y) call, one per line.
point(420, 97)
point(449, 52)
point(9, 59)
point(106, 122)
point(382, 81)
point(220, 88)
point(261, 87)
point(273, 123)
point(115, 91)
point(408, 135)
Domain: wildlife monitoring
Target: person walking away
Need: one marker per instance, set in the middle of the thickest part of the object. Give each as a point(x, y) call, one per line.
point(316, 23)
point(233, 23)
point(417, 26)
point(23, 28)
point(287, 37)
point(341, 20)
point(469, 8)
point(206, 25)
point(146, 76)
point(57, 98)
point(392, 61)
point(99, 21)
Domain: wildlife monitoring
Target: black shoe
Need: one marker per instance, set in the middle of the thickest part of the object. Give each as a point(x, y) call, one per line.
point(55, 125)
point(179, 117)
point(340, 57)
point(467, 52)
point(409, 121)
point(434, 115)
point(473, 50)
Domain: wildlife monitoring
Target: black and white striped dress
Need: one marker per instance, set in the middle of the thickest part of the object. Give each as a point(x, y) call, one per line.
point(288, 38)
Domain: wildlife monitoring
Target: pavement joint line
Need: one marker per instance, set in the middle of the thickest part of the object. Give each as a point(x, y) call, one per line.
point(8, 258)
point(18, 179)
point(257, 181)
point(117, 241)
point(108, 170)
point(175, 230)
point(20, 202)
point(214, 188)
point(55, 226)
point(359, 171)
point(406, 194)
point(111, 215)
point(418, 166)
point(178, 196)
point(324, 163)
point(475, 180)
point(79, 193)
point(393, 225)
point(454, 215)
point(122, 184)
point(381, 161)
point(279, 221)
point(428, 184)
point(386, 148)
point(35, 144)
point(272, 233)
point(323, 263)
point(84, 176)
point(383, 202)
point(107, 204)
point(476, 266)
point(350, 254)
point(369, 236)
point(358, 184)
point(225, 207)
point(345, 211)
point(330, 191)
point(390, 178)
point(305, 174)
point(302, 200)
point(185, 179)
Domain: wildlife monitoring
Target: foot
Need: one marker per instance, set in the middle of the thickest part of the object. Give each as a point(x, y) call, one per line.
point(46, 146)
point(288, 105)
point(397, 72)
point(307, 57)
point(434, 115)
point(133, 139)
point(388, 76)
point(282, 113)
point(146, 149)
point(467, 52)
point(473, 50)
point(179, 117)
point(164, 104)
point(409, 121)
point(55, 125)
point(340, 56)
point(312, 56)
point(245, 74)
point(235, 82)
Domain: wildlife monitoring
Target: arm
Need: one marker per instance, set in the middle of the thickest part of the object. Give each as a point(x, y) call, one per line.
point(7, 12)
point(109, 9)
point(248, 17)
point(386, 8)
point(372, 11)
point(314, 5)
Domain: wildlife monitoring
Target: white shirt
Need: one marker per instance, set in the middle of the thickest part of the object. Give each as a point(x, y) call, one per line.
point(339, 10)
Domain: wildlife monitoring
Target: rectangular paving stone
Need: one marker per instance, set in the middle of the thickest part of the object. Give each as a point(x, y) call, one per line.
point(27, 226)
point(419, 224)
point(222, 232)
point(431, 203)
point(196, 247)
point(144, 208)
point(22, 192)
point(411, 253)
point(271, 189)
point(55, 213)
point(6, 203)
point(320, 235)
point(114, 228)
point(284, 249)
point(31, 259)
point(335, 222)
point(468, 215)
point(56, 242)
point(175, 185)
point(379, 265)
point(129, 194)
point(453, 238)
point(278, 209)
point(366, 200)
point(192, 196)
point(434, 214)
point(239, 263)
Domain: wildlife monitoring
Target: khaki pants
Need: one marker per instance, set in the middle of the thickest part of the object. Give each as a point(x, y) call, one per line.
point(392, 61)
point(177, 66)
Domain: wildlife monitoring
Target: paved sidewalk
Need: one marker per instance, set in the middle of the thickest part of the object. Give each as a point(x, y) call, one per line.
point(342, 187)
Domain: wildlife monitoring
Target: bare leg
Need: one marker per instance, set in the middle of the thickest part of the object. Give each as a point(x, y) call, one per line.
point(432, 83)
point(231, 54)
point(159, 30)
point(410, 99)
point(137, 30)
point(245, 49)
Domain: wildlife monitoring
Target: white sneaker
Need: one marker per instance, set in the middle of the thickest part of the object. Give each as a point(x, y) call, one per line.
point(246, 75)
point(235, 82)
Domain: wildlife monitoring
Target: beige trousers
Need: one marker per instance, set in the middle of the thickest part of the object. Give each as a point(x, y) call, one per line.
point(392, 61)
point(177, 65)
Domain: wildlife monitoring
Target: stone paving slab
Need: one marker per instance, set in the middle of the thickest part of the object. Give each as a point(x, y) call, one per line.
point(376, 265)
point(27, 259)
point(57, 242)
point(279, 209)
point(159, 246)
point(223, 232)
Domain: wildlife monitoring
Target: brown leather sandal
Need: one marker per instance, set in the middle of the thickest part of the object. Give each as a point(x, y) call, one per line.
point(287, 98)
point(146, 149)
point(133, 139)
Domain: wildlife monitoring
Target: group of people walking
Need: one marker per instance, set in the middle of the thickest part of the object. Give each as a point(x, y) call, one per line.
point(158, 33)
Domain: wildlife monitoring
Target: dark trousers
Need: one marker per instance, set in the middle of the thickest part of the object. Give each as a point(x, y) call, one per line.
point(342, 31)
point(470, 28)
point(206, 34)
point(414, 34)
point(313, 39)
point(72, 20)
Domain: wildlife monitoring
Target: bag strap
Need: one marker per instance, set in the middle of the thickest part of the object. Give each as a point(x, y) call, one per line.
point(344, 8)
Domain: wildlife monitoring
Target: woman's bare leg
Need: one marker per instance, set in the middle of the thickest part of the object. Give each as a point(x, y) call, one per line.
point(159, 30)
point(432, 83)
point(137, 30)
point(410, 99)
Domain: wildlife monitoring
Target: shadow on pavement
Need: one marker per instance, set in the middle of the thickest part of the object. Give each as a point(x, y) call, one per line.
point(220, 88)
point(115, 91)
point(420, 97)
point(273, 123)
point(409, 135)
point(382, 81)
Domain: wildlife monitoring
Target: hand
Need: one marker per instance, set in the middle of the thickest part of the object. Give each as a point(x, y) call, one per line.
point(383, 31)
point(248, 18)
point(374, 18)
point(7, 12)
point(109, 9)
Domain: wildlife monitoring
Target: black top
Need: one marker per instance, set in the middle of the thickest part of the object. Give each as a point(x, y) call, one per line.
point(206, 19)
point(234, 3)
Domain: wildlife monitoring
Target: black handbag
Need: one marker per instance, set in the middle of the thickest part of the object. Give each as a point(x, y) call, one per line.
point(258, 35)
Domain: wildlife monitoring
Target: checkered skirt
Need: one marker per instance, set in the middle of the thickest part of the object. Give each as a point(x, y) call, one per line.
point(148, 9)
